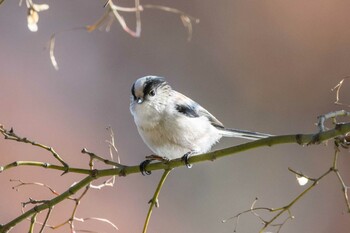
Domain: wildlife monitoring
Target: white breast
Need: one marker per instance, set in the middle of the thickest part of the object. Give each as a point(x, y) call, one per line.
point(172, 136)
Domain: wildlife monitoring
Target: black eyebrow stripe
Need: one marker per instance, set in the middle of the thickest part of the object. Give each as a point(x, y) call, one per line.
point(187, 110)
point(152, 84)
point(133, 90)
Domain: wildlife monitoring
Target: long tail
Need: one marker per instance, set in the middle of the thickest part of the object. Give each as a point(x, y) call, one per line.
point(237, 133)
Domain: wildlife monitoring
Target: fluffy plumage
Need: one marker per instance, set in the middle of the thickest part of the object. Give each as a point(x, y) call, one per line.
point(171, 124)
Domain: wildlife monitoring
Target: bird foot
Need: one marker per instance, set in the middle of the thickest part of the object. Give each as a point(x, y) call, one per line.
point(186, 157)
point(148, 160)
point(143, 166)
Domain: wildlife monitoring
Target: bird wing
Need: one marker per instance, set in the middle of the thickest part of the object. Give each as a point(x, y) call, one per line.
point(190, 108)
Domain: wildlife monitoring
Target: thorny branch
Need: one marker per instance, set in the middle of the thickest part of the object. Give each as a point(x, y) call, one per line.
point(338, 133)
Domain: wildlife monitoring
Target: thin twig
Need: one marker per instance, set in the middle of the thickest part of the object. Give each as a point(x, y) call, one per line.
point(286, 208)
point(97, 219)
point(46, 219)
point(301, 139)
point(330, 115)
point(44, 165)
point(32, 223)
point(342, 183)
point(10, 135)
point(94, 156)
point(113, 13)
point(337, 89)
point(21, 183)
point(301, 174)
point(254, 210)
point(154, 200)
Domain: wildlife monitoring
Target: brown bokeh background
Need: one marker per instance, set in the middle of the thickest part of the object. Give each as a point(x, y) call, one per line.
point(266, 65)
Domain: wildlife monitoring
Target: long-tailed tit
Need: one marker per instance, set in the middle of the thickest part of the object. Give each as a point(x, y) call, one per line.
point(172, 125)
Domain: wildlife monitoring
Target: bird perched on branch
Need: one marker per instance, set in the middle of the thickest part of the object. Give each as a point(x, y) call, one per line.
point(173, 125)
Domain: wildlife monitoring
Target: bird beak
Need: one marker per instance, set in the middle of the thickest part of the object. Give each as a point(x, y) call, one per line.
point(139, 100)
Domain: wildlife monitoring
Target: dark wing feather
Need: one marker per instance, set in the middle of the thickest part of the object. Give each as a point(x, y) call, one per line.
point(190, 108)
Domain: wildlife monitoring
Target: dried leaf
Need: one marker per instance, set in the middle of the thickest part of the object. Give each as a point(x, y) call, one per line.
point(32, 19)
point(302, 180)
point(40, 7)
point(97, 219)
point(52, 50)
point(188, 25)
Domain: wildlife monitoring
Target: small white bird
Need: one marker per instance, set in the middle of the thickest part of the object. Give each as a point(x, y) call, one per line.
point(172, 125)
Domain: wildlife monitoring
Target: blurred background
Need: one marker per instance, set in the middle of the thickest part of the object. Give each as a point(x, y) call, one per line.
point(266, 66)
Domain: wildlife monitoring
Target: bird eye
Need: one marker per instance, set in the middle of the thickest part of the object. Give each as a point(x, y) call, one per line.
point(152, 93)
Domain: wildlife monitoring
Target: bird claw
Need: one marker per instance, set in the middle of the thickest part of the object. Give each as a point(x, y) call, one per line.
point(186, 157)
point(148, 160)
point(143, 166)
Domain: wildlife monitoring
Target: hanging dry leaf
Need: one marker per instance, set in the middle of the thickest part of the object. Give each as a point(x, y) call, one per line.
point(52, 50)
point(32, 19)
point(302, 180)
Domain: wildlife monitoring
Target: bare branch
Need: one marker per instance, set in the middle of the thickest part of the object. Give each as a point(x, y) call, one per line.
point(301, 174)
point(330, 115)
point(254, 210)
point(301, 139)
point(186, 19)
point(112, 14)
point(287, 208)
point(94, 156)
point(46, 219)
point(44, 165)
point(21, 183)
point(32, 223)
point(154, 201)
point(97, 219)
point(10, 135)
point(337, 173)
